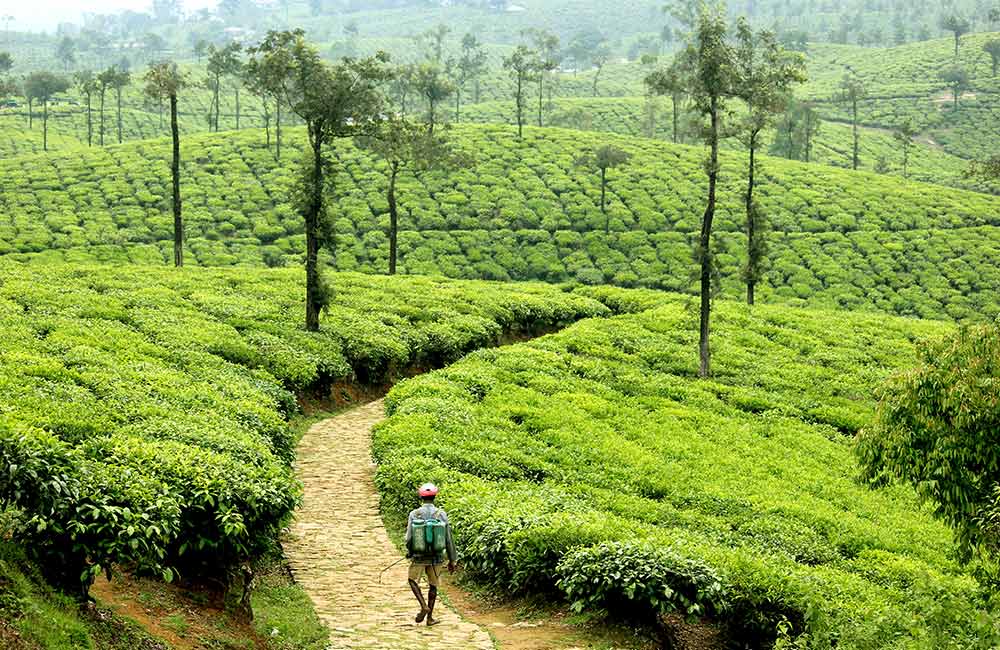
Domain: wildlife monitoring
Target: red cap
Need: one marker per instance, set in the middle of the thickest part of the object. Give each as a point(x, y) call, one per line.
point(428, 490)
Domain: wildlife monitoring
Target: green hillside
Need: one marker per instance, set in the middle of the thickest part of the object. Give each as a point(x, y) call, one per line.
point(526, 211)
point(641, 117)
point(145, 418)
point(600, 467)
point(903, 83)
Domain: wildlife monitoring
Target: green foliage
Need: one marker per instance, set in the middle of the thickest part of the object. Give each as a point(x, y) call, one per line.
point(592, 462)
point(145, 414)
point(936, 430)
point(521, 213)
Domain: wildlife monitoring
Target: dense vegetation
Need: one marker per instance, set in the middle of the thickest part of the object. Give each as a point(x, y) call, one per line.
point(592, 462)
point(524, 212)
point(641, 117)
point(145, 417)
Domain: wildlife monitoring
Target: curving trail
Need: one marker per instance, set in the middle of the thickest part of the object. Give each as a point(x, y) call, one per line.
point(339, 545)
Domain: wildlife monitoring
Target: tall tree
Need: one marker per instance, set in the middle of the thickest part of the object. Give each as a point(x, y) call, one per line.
point(521, 67)
point(546, 47)
point(164, 82)
point(711, 80)
point(957, 79)
point(602, 159)
point(432, 84)
point(669, 81)
point(904, 136)
point(266, 78)
point(6, 62)
point(214, 68)
point(105, 80)
point(992, 47)
point(66, 52)
point(116, 78)
point(335, 101)
point(407, 146)
point(765, 73)
point(41, 86)
point(87, 85)
point(599, 58)
point(958, 25)
point(852, 91)
point(402, 86)
point(433, 42)
point(224, 62)
point(473, 61)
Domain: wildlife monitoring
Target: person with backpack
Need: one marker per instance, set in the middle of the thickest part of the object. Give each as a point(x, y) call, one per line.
point(428, 542)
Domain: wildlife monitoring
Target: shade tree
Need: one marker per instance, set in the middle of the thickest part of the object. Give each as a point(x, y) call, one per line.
point(712, 81)
point(521, 66)
point(87, 85)
point(957, 79)
point(669, 81)
point(852, 90)
point(764, 76)
point(334, 101)
point(958, 25)
point(41, 87)
point(164, 82)
point(603, 159)
point(904, 137)
point(407, 146)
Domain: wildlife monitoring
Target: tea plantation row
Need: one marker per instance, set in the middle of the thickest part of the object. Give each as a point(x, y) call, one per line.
point(526, 211)
point(592, 462)
point(144, 410)
point(636, 116)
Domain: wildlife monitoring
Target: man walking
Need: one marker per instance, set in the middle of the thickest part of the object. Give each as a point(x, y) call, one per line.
point(428, 541)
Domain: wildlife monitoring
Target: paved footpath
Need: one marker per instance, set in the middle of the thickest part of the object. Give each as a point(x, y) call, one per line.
point(339, 545)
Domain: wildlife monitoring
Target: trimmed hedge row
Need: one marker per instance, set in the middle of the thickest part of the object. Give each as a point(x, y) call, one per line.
point(594, 464)
point(143, 410)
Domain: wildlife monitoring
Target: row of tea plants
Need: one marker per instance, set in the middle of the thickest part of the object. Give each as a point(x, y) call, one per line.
point(593, 464)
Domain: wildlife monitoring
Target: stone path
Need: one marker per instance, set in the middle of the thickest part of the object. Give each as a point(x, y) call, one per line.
point(338, 547)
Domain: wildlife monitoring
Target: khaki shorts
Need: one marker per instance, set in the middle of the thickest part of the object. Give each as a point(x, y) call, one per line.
point(432, 571)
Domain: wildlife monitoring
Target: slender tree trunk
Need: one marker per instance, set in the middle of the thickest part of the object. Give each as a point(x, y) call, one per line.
point(431, 115)
point(45, 124)
point(118, 96)
point(175, 172)
point(751, 222)
point(519, 100)
point(854, 112)
point(314, 299)
point(956, 44)
point(215, 101)
point(393, 218)
point(477, 89)
point(458, 103)
point(102, 118)
point(705, 242)
point(90, 122)
point(277, 129)
point(541, 97)
point(31, 112)
point(237, 108)
point(604, 186)
point(673, 101)
point(597, 75)
point(808, 142)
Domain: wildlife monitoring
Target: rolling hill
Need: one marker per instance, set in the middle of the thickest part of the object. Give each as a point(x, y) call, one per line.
point(526, 211)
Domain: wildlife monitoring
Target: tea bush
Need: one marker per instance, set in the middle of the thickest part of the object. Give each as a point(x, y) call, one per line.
point(143, 410)
point(525, 212)
point(595, 464)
